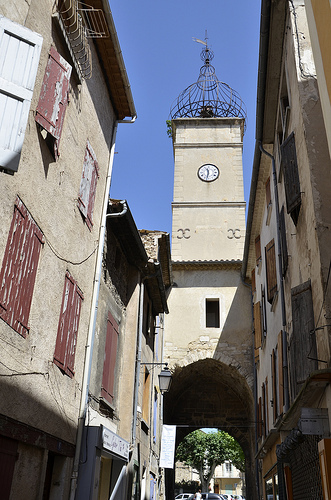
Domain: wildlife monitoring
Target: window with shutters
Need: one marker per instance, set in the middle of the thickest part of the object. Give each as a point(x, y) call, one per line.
point(109, 364)
point(259, 418)
point(270, 255)
point(19, 269)
point(19, 58)
point(146, 396)
point(274, 373)
point(291, 177)
point(280, 387)
point(303, 351)
point(283, 241)
point(268, 200)
point(65, 348)
point(155, 416)
point(258, 254)
point(88, 185)
point(257, 329)
point(53, 100)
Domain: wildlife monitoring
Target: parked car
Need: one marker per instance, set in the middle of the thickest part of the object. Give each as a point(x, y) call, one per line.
point(211, 496)
point(183, 496)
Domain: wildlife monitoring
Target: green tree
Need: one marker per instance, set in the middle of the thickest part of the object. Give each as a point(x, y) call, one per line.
point(204, 451)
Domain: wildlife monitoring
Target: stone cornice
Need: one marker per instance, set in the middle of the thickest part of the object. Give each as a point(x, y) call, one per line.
point(205, 265)
point(208, 144)
point(233, 204)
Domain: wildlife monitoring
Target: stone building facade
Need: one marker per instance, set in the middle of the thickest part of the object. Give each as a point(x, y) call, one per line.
point(287, 254)
point(62, 94)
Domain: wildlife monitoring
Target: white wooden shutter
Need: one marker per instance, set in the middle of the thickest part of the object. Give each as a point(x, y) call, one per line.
point(19, 57)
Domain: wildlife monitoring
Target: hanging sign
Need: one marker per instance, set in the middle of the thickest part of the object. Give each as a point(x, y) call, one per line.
point(167, 457)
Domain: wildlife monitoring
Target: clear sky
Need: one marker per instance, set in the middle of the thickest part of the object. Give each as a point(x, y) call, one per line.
point(161, 60)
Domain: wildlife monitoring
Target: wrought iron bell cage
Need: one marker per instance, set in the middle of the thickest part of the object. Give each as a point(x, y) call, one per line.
point(208, 97)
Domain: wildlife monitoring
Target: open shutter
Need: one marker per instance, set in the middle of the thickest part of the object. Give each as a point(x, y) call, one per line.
point(280, 372)
point(259, 418)
point(274, 384)
point(253, 282)
point(268, 192)
point(65, 348)
point(19, 58)
point(108, 376)
point(19, 269)
point(291, 177)
point(257, 325)
point(283, 241)
point(53, 99)
point(258, 249)
point(303, 350)
point(271, 269)
point(88, 185)
point(146, 396)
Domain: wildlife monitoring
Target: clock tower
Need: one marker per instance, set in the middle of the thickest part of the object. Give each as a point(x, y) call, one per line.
point(208, 222)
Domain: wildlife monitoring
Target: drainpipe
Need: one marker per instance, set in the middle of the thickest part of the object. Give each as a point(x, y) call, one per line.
point(281, 278)
point(93, 316)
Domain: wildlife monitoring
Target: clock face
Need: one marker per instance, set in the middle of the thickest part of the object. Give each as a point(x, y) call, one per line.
point(208, 172)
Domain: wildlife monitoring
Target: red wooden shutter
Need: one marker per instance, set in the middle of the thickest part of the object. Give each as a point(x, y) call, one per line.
point(53, 98)
point(65, 348)
point(88, 185)
point(257, 325)
point(108, 376)
point(271, 270)
point(19, 269)
point(258, 249)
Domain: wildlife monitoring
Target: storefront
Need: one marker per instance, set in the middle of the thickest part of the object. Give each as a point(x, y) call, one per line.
point(102, 470)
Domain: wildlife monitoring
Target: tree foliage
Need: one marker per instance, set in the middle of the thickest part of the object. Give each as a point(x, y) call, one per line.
point(204, 451)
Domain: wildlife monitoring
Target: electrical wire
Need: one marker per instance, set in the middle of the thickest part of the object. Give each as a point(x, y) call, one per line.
point(67, 260)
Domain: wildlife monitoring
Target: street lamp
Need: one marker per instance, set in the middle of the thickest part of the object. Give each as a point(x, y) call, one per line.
point(165, 377)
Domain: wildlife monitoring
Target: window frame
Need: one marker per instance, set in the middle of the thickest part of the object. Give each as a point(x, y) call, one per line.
point(54, 99)
point(88, 185)
point(66, 340)
point(212, 316)
point(19, 269)
point(16, 94)
point(110, 358)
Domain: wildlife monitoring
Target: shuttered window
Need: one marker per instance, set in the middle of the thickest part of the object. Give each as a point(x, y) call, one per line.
point(283, 241)
point(257, 327)
point(280, 372)
point(109, 364)
point(19, 58)
point(155, 416)
point(259, 418)
point(53, 99)
point(303, 351)
point(291, 177)
point(19, 269)
point(274, 383)
point(253, 281)
point(146, 396)
point(258, 249)
point(65, 348)
point(271, 270)
point(268, 192)
point(88, 185)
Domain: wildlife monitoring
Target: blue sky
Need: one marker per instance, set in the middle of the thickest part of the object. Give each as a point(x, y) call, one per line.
point(161, 60)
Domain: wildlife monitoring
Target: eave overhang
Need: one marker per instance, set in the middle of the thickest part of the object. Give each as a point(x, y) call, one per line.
point(205, 265)
point(110, 54)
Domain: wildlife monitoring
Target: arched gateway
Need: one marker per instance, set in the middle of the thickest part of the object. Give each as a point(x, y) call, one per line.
point(208, 339)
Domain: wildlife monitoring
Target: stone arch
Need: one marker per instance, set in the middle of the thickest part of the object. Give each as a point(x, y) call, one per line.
point(211, 393)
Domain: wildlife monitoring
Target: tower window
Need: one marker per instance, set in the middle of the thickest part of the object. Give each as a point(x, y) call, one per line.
point(212, 313)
